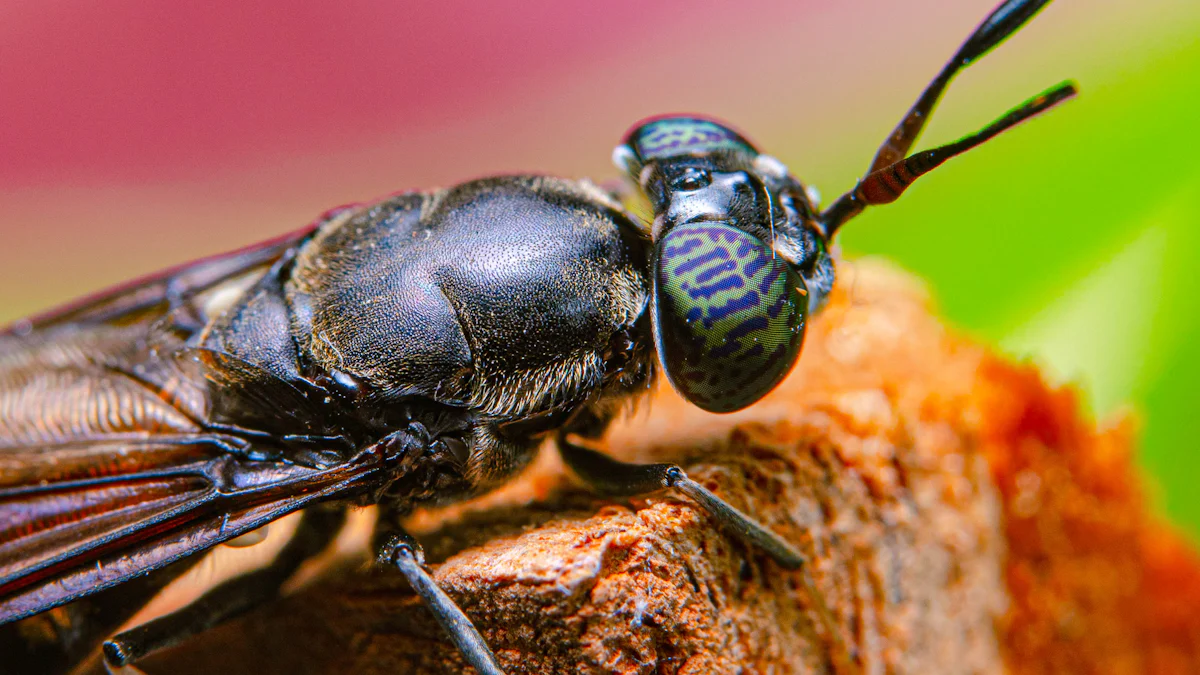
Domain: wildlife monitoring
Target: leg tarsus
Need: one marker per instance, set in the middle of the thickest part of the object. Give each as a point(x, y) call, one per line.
point(740, 524)
point(402, 552)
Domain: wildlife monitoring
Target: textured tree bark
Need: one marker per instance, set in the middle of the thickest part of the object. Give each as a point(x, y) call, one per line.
point(960, 517)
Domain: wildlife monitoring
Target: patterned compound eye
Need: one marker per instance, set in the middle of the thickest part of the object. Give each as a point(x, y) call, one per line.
point(661, 139)
point(729, 316)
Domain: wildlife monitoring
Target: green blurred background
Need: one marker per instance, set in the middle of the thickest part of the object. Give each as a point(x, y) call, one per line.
point(1075, 242)
point(139, 134)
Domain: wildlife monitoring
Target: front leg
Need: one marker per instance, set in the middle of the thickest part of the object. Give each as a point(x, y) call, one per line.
point(620, 479)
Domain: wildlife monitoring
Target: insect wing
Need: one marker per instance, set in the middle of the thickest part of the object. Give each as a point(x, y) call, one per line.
point(64, 539)
point(155, 293)
point(107, 470)
point(50, 514)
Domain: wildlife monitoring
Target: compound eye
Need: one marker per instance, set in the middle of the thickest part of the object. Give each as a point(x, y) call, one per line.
point(729, 316)
point(691, 180)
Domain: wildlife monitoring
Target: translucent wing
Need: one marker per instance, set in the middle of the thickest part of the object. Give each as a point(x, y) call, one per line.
point(108, 466)
point(154, 295)
point(69, 538)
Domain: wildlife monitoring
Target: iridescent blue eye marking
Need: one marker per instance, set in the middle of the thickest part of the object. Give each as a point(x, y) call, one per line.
point(673, 136)
point(728, 315)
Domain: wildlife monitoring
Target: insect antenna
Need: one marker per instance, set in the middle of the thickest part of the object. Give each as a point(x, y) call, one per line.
point(1005, 20)
point(885, 185)
point(1002, 22)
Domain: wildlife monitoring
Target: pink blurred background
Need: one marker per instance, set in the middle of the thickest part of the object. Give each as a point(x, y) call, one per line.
point(137, 134)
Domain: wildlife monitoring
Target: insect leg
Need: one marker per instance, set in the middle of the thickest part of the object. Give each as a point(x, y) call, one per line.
point(621, 479)
point(401, 551)
point(318, 527)
point(616, 478)
point(41, 644)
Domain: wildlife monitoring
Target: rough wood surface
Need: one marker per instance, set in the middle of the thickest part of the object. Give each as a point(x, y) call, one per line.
point(959, 515)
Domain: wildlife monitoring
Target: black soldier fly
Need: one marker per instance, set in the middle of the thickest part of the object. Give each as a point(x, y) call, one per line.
point(412, 350)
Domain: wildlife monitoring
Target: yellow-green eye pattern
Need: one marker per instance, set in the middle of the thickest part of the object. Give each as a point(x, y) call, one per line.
point(728, 315)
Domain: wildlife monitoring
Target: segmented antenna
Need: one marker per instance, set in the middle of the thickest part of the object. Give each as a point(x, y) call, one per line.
point(891, 172)
point(885, 185)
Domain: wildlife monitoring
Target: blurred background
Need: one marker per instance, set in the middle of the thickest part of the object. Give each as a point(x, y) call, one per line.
point(136, 134)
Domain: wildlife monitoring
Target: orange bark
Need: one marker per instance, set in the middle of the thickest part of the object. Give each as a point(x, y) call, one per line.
point(960, 515)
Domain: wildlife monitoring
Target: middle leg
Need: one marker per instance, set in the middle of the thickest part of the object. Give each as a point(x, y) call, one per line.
point(398, 549)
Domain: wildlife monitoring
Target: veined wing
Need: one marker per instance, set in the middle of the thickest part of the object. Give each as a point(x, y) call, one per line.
point(63, 540)
point(154, 295)
point(108, 467)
